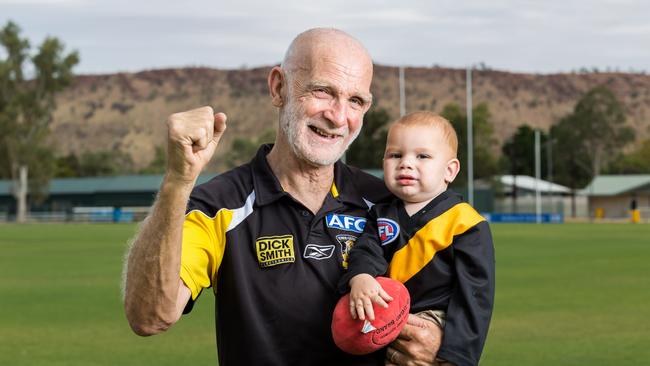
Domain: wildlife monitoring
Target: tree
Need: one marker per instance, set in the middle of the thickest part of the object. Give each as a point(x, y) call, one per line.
point(519, 155)
point(519, 152)
point(105, 163)
point(243, 149)
point(571, 167)
point(485, 164)
point(26, 106)
point(98, 163)
point(589, 138)
point(367, 151)
point(67, 166)
point(158, 164)
point(635, 162)
point(599, 119)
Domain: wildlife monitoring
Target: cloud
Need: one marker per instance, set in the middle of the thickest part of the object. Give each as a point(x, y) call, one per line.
point(642, 30)
point(545, 36)
point(43, 2)
point(390, 16)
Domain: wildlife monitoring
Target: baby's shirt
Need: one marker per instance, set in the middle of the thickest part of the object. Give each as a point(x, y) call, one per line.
point(444, 256)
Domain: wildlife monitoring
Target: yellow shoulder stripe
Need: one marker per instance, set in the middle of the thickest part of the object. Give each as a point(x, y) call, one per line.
point(204, 242)
point(334, 191)
point(435, 236)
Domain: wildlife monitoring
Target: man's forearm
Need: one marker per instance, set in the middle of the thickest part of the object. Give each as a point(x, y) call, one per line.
point(153, 264)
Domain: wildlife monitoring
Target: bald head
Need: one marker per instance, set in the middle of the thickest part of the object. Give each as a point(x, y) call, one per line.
point(322, 90)
point(317, 44)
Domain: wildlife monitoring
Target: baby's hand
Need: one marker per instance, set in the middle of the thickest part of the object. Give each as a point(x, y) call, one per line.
point(364, 291)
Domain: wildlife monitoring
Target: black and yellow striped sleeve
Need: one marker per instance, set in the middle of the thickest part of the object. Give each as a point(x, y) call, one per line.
point(472, 298)
point(204, 241)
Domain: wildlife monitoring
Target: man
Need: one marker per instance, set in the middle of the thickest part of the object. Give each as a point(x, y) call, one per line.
point(271, 236)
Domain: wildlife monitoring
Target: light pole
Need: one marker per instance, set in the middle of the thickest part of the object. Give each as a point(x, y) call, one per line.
point(470, 139)
point(402, 93)
point(549, 170)
point(538, 177)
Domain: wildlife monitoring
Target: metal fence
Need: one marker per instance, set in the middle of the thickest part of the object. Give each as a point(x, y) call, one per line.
point(85, 214)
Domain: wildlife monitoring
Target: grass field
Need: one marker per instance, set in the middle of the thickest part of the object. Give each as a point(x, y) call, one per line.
point(573, 294)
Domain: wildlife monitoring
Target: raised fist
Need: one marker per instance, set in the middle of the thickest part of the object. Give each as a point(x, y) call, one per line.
point(192, 138)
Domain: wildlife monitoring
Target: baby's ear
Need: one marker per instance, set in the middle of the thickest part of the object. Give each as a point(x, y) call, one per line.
point(452, 170)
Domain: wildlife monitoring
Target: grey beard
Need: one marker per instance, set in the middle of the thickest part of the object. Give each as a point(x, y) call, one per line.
point(292, 113)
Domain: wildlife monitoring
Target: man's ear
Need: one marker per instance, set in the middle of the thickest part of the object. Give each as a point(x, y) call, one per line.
point(277, 85)
point(452, 170)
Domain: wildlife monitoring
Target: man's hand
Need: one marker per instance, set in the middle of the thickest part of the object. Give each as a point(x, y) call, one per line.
point(417, 344)
point(192, 138)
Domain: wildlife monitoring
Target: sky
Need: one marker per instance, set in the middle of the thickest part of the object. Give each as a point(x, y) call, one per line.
point(519, 36)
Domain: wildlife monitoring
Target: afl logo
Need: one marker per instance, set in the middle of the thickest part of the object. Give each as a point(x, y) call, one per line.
point(388, 230)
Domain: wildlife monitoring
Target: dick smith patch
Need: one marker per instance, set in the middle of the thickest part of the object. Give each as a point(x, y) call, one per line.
point(274, 250)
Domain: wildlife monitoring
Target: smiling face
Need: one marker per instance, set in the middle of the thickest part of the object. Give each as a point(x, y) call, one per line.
point(327, 94)
point(419, 164)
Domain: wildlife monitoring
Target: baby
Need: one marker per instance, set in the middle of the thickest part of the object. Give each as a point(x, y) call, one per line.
point(428, 239)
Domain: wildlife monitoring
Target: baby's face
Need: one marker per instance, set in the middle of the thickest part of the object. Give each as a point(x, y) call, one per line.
point(416, 163)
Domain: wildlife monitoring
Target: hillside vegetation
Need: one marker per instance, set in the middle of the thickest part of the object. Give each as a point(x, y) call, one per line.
point(127, 111)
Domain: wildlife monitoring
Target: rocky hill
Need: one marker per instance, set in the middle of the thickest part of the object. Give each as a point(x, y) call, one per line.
point(127, 112)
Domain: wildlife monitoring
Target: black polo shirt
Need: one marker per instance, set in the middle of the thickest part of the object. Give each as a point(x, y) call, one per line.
point(272, 264)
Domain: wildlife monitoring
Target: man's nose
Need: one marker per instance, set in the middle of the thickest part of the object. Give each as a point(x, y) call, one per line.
point(336, 112)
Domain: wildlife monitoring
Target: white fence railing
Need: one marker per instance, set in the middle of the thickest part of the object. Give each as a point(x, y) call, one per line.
point(85, 214)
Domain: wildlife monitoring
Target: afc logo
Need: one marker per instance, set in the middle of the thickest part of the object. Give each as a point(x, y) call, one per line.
point(345, 222)
point(387, 229)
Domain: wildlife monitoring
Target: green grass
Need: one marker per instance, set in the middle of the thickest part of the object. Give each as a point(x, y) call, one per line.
point(60, 303)
point(573, 294)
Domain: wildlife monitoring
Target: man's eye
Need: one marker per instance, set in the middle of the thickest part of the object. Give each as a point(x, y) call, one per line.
point(321, 93)
point(357, 101)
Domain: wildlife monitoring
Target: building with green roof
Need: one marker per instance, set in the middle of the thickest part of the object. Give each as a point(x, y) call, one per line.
point(66, 193)
point(612, 195)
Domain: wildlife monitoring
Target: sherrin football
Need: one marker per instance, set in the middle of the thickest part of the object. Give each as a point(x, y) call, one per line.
point(360, 337)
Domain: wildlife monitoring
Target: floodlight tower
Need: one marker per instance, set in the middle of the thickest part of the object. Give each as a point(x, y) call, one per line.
point(470, 139)
point(549, 171)
point(538, 177)
point(402, 93)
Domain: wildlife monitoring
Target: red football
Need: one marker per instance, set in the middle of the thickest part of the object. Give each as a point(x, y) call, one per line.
point(360, 337)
